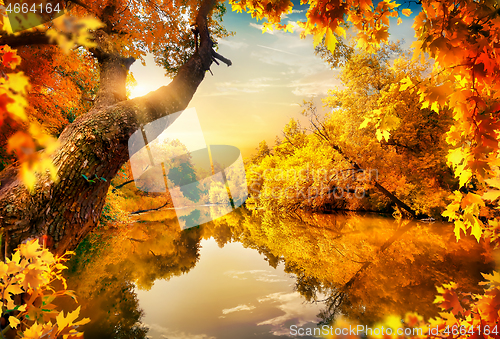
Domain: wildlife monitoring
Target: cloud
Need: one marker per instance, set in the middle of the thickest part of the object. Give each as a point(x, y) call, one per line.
point(254, 85)
point(258, 275)
point(295, 11)
point(254, 25)
point(294, 309)
point(311, 89)
point(238, 309)
point(233, 44)
point(315, 85)
point(298, 55)
point(279, 50)
point(173, 334)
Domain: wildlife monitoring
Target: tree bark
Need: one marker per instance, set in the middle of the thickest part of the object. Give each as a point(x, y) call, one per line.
point(95, 145)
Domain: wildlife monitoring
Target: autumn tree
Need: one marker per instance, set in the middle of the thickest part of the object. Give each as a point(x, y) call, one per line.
point(335, 164)
point(462, 39)
point(461, 36)
point(262, 151)
point(375, 125)
point(95, 145)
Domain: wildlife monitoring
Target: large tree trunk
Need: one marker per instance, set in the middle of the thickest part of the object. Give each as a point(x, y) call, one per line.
point(95, 145)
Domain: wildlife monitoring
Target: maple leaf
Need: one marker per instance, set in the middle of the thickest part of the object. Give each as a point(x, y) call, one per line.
point(413, 319)
point(489, 305)
point(459, 227)
point(17, 82)
point(405, 83)
point(448, 299)
point(365, 123)
point(330, 40)
point(33, 278)
point(63, 322)
point(10, 58)
point(14, 322)
point(4, 101)
point(492, 279)
point(318, 36)
point(406, 12)
point(491, 195)
point(455, 156)
point(31, 249)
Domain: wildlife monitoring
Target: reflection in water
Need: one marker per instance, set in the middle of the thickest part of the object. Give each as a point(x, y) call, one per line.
point(257, 269)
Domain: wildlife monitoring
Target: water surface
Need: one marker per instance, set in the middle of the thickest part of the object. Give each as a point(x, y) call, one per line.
point(255, 274)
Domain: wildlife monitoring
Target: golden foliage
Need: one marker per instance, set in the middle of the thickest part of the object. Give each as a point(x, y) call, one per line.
point(27, 293)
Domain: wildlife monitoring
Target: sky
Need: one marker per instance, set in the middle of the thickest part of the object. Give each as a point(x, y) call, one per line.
point(270, 76)
point(241, 296)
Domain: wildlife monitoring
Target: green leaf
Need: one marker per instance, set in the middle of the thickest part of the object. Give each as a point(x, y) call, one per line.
point(85, 177)
point(103, 179)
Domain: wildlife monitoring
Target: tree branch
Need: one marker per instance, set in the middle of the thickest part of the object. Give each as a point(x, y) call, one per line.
point(95, 144)
point(25, 39)
point(81, 4)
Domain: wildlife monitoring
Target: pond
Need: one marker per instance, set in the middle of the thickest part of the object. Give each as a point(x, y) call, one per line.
point(255, 274)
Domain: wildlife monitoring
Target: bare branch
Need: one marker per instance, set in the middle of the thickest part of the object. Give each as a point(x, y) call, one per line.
point(26, 39)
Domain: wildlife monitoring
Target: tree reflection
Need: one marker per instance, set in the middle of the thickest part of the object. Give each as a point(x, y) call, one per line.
point(363, 267)
point(111, 262)
point(366, 267)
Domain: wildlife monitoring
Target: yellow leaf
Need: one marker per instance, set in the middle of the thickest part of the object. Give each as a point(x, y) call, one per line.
point(90, 23)
point(400, 21)
point(63, 321)
point(476, 228)
point(495, 182)
point(365, 123)
point(405, 83)
point(82, 322)
point(13, 321)
point(341, 31)
point(459, 227)
point(455, 157)
point(330, 40)
point(491, 195)
point(382, 134)
point(389, 122)
point(465, 175)
point(492, 278)
point(14, 289)
point(27, 176)
point(435, 107)
point(406, 11)
point(318, 36)
point(18, 82)
point(266, 26)
point(31, 249)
